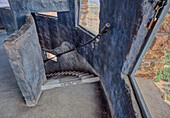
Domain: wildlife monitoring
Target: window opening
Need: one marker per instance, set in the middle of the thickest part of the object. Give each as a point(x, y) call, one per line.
point(51, 56)
point(49, 13)
point(153, 75)
point(89, 15)
point(4, 3)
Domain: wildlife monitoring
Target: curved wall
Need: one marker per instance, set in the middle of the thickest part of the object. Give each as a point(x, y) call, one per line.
point(24, 53)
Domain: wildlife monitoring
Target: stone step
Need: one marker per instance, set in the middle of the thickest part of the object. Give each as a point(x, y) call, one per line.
point(57, 83)
point(83, 75)
point(68, 78)
point(91, 80)
point(87, 76)
point(74, 73)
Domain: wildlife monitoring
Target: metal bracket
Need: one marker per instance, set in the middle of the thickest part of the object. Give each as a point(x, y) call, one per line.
point(159, 5)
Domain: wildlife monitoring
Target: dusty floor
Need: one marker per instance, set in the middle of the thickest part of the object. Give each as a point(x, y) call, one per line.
point(152, 96)
point(80, 101)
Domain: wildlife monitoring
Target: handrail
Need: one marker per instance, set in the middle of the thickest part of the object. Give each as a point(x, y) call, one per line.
point(104, 30)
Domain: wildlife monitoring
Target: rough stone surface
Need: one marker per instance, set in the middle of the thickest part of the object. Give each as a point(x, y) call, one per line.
point(150, 54)
point(24, 53)
point(51, 34)
point(149, 68)
point(8, 20)
point(113, 48)
point(165, 27)
point(70, 61)
point(1, 25)
point(138, 40)
point(161, 42)
point(40, 5)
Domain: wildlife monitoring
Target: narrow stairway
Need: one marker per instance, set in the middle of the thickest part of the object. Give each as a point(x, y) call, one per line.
point(83, 100)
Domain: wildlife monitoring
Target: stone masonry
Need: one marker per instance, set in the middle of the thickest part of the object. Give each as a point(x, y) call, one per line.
point(152, 62)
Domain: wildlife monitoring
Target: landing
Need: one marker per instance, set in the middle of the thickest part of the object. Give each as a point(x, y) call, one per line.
point(80, 101)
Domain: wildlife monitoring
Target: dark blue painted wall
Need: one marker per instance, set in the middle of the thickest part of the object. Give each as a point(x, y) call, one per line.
point(1, 25)
point(22, 7)
point(110, 54)
point(8, 20)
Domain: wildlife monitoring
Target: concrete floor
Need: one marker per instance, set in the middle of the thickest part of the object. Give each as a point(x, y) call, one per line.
point(152, 96)
point(80, 101)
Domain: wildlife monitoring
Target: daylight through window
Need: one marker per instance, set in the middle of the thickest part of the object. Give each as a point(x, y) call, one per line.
point(48, 13)
point(89, 15)
point(4, 3)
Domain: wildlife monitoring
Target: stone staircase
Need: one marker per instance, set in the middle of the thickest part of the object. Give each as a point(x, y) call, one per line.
point(68, 78)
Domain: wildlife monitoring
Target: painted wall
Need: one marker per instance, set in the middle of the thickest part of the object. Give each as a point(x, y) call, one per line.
point(22, 7)
point(1, 25)
point(72, 61)
point(8, 20)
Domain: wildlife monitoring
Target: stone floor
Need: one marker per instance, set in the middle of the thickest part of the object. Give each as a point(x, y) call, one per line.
point(152, 96)
point(80, 101)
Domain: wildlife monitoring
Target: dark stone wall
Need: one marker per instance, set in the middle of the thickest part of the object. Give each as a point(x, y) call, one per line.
point(1, 25)
point(116, 51)
point(22, 7)
point(72, 61)
point(48, 31)
point(52, 33)
point(110, 54)
point(8, 20)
